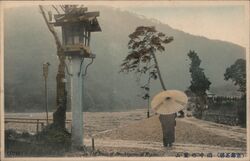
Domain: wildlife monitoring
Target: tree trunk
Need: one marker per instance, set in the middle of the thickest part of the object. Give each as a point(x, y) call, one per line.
point(59, 116)
point(158, 71)
point(201, 103)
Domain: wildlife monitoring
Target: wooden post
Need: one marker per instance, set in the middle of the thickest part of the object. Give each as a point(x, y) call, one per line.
point(37, 126)
point(45, 74)
point(42, 126)
point(93, 143)
point(148, 108)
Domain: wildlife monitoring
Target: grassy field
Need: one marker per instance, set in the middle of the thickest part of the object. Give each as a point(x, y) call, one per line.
point(94, 122)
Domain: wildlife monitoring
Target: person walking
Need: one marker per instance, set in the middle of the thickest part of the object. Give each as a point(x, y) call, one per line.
point(168, 124)
point(167, 104)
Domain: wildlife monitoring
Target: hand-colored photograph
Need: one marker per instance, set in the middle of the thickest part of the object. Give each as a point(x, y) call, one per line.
point(119, 79)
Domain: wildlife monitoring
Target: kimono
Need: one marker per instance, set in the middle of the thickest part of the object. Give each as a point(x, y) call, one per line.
point(168, 124)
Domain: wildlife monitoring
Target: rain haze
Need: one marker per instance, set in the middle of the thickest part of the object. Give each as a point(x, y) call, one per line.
point(120, 94)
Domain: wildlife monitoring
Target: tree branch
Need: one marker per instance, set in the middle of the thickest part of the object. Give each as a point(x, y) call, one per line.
point(51, 29)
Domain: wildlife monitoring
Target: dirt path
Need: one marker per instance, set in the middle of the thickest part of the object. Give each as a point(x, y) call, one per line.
point(136, 136)
point(233, 132)
point(130, 132)
point(157, 146)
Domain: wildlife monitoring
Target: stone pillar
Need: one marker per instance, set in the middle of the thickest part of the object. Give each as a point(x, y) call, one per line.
point(76, 102)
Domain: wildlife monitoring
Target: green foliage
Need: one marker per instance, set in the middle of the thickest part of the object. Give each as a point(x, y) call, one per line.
point(55, 136)
point(144, 42)
point(242, 111)
point(237, 73)
point(49, 142)
point(199, 83)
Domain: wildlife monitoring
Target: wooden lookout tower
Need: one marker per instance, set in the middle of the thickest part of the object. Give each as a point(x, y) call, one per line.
point(77, 25)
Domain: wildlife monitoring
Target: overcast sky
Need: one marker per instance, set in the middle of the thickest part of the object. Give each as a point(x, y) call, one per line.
point(216, 20)
point(224, 21)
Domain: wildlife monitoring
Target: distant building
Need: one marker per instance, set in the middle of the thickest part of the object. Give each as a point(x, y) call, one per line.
point(210, 94)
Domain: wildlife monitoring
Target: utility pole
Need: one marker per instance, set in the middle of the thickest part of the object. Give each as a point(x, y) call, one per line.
point(45, 75)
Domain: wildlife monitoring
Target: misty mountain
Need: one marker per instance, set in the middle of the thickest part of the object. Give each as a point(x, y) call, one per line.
point(28, 44)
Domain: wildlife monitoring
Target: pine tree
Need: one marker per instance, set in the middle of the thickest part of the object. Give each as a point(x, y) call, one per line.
point(199, 83)
point(143, 45)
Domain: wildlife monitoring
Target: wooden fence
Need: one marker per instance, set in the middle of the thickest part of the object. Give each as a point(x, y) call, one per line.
point(228, 119)
point(223, 100)
point(40, 123)
point(220, 109)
